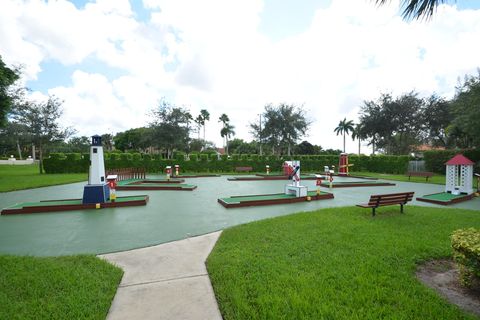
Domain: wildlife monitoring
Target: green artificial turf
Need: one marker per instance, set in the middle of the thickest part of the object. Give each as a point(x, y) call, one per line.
point(443, 196)
point(74, 287)
point(19, 177)
point(435, 179)
point(68, 202)
point(236, 199)
point(337, 263)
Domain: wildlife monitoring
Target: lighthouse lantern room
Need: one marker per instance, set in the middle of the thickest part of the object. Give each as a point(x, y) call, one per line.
point(97, 190)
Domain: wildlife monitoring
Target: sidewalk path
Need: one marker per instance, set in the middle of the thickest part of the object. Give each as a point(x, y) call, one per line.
point(167, 281)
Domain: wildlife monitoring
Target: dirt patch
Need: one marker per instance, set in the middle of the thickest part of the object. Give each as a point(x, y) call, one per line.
point(442, 275)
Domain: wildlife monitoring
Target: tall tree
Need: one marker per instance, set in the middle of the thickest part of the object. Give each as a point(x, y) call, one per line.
point(8, 77)
point(171, 127)
point(283, 126)
point(344, 127)
point(466, 109)
point(227, 131)
point(416, 9)
point(436, 116)
point(137, 139)
point(41, 120)
point(358, 134)
point(205, 117)
point(393, 124)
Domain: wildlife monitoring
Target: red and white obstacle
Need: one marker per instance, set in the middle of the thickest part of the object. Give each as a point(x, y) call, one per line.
point(292, 169)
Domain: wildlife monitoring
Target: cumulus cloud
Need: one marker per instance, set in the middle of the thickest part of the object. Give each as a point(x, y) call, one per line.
point(211, 55)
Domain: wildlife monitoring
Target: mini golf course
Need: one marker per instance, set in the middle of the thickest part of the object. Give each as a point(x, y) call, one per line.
point(354, 184)
point(155, 184)
point(270, 199)
point(72, 204)
point(168, 216)
point(445, 198)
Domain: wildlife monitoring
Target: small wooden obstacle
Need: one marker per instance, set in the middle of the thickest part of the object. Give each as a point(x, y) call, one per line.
point(127, 173)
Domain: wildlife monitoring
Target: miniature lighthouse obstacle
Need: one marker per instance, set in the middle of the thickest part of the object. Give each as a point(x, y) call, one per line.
point(97, 190)
point(292, 168)
point(459, 175)
point(343, 164)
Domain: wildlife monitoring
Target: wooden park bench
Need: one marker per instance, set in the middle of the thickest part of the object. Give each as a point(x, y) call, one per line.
point(244, 169)
point(380, 200)
point(420, 174)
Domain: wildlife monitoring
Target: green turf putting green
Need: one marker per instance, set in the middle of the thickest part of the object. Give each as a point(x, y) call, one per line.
point(445, 198)
point(270, 199)
point(353, 184)
point(144, 181)
point(72, 204)
point(154, 184)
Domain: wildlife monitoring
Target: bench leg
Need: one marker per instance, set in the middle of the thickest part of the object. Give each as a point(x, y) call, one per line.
point(401, 208)
point(373, 212)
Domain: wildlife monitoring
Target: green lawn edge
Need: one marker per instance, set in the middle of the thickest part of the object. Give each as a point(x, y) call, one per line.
point(435, 179)
point(337, 263)
point(69, 287)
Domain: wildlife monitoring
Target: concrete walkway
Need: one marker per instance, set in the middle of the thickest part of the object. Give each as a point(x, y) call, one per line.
point(167, 281)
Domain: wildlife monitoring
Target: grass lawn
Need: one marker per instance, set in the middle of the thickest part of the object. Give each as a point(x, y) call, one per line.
point(26, 177)
point(337, 263)
point(74, 287)
point(435, 179)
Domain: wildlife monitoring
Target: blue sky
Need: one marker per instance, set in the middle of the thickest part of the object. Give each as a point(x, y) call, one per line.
point(118, 58)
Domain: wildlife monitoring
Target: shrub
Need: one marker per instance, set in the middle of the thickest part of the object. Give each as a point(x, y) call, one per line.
point(466, 253)
point(204, 157)
point(193, 157)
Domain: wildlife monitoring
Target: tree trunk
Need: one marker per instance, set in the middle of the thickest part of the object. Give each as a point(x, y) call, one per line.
point(33, 152)
point(204, 141)
point(226, 140)
point(359, 142)
point(261, 153)
point(343, 141)
point(40, 162)
point(19, 150)
point(288, 150)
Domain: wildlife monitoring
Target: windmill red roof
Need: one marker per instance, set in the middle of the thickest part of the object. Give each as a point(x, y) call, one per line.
point(459, 159)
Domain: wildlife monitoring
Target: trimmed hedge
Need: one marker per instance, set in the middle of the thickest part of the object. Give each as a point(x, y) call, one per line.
point(466, 253)
point(435, 160)
point(59, 163)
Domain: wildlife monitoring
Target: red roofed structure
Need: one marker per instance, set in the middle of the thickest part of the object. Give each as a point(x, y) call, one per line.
point(459, 160)
point(459, 175)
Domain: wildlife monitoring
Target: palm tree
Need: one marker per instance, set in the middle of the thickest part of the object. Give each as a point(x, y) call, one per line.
point(199, 121)
point(344, 127)
point(205, 117)
point(224, 120)
point(416, 9)
point(358, 134)
point(226, 132)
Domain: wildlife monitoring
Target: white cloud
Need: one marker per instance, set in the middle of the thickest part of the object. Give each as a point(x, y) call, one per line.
point(210, 54)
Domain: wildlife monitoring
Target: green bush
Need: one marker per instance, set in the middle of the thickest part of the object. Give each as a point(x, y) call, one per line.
point(435, 159)
point(466, 253)
point(58, 155)
point(208, 162)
